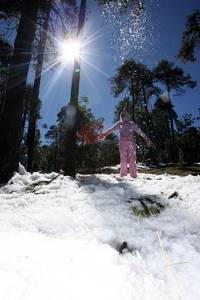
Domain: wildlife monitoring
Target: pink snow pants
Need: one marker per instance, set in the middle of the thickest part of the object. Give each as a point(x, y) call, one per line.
point(127, 151)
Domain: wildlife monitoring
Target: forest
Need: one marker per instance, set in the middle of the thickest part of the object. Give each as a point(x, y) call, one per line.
point(74, 148)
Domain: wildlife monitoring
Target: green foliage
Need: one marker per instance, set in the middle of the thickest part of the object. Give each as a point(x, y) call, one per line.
point(89, 157)
point(190, 38)
point(55, 135)
point(184, 123)
point(137, 81)
point(188, 139)
point(109, 152)
point(45, 159)
point(161, 115)
point(134, 79)
point(172, 77)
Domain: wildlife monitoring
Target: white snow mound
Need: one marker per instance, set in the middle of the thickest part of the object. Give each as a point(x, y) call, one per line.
point(60, 238)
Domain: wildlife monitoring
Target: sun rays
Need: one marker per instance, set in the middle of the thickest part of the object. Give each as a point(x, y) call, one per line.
point(82, 49)
point(70, 50)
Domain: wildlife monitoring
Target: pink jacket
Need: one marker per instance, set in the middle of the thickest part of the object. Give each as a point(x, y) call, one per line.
point(126, 130)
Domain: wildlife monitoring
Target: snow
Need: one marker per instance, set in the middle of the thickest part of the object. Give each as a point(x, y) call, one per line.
point(117, 167)
point(61, 240)
point(22, 170)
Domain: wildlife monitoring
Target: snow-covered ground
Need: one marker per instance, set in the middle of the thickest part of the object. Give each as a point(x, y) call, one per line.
point(140, 166)
point(60, 240)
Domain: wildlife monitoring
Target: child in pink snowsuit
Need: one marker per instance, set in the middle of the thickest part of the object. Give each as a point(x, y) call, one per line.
point(127, 146)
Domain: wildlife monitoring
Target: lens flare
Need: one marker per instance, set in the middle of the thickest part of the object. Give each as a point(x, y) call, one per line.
point(70, 50)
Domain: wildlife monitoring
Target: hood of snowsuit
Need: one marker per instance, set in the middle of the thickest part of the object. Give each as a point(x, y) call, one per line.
point(124, 116)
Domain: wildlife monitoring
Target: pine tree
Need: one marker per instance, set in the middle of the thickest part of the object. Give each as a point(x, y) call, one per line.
point(136, 80)
point(161, 115)
point(188, 138)
point(190, 38)
point(174, 79)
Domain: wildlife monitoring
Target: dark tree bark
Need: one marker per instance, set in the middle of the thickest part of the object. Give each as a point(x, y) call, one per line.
point(5, 57)
point(2, 92)
point(36, 89)
point(133, 101)
point(70, 143)
point(172, 131)
point(11, 118)
point(24, 122)
point(148, 123)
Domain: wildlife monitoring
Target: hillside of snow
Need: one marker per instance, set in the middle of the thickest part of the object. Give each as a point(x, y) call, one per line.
point(61, 239)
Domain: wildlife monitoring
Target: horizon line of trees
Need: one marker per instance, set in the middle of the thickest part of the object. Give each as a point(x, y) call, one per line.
point(92, 156)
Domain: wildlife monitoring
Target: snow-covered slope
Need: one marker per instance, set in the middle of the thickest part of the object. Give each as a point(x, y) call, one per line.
point(61, 240)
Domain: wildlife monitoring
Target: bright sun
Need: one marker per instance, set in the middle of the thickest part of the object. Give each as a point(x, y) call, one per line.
point(70, 50)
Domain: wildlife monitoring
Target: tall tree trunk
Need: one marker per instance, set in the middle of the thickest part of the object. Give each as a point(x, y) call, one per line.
point(133, 101)
point(70, 142)
point(171, 130)
point(146, 109)
point(148, 123)
point(4, 79)
point(1, 100)
point(36, 89)
point(11, 118)
point(24, 122)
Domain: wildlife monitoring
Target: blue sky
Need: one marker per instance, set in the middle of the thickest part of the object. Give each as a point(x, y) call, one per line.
point(159, 38)
point(166, 21)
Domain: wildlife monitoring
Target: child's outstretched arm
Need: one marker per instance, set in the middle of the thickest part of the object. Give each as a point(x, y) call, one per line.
point(142, 134)
point(103, 135)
